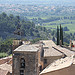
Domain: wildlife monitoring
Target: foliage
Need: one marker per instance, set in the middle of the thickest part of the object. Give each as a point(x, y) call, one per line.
point(65, 29)
point(57, 35)
point(6, 46)
point(35, 40)
point(62, 35)
point(3, 55)
point(14, 25)
point(60, 32)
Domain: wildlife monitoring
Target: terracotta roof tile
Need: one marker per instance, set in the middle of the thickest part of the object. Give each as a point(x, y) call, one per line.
point(3, 72)
point(49, 50)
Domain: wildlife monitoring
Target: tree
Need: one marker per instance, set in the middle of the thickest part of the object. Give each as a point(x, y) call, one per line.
point(18, 18)
point(53, 38)
point(11, 16)
point(61, 34)
point(74, 33)
point(66, 29)
point(4, 14)
point(57, 35)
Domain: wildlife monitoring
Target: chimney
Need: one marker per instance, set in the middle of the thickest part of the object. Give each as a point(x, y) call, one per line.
point(70, 43)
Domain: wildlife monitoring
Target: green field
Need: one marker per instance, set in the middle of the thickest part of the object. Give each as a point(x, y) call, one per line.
point(71, 26)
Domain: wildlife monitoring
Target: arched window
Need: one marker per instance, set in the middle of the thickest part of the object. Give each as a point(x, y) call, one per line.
point(22, 63)
point(21, 72)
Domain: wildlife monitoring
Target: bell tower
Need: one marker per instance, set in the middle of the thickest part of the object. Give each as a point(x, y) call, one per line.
point(25, 60)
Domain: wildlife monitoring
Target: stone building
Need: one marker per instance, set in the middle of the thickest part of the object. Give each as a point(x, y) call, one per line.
point(39, 55)
point(4, 72)
point(25, 60)
point(73, 45)
point(49, 53)
point(43, 58)
point(17, 43)
point(6, 66)
point(7, 69)
point(64, 66)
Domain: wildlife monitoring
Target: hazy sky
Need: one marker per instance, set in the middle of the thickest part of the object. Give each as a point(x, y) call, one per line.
point(55, 2)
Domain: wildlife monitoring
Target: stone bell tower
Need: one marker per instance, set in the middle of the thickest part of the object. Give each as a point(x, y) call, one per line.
point(25, 60)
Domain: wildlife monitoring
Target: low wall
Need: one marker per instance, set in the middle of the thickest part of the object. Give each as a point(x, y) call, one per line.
point(50, 60)
point(4, 60)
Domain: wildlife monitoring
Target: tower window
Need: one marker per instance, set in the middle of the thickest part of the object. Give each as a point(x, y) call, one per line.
point(21, 72)
point(22, 63)
point(45, 61)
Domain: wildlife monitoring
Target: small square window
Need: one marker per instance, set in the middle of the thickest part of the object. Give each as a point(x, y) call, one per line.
point(45, 61)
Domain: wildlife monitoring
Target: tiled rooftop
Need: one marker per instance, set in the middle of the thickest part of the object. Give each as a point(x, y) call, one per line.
point(65, 51)
point(59, 64)
point(27, 48)
point(49, 50)
point(3, 72)
point(6, 67)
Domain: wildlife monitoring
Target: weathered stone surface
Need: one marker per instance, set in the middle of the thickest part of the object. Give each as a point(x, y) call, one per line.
point(31, 63)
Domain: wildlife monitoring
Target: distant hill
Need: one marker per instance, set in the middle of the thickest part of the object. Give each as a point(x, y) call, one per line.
point(15, 27)
point(44, 2)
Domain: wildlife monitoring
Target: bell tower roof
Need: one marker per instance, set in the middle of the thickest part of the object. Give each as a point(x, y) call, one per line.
point(27, 48)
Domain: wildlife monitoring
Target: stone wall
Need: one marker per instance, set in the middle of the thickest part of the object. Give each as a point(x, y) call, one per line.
point(40, 59)
point(65, 71)
point(50, 60)
point(31, 63)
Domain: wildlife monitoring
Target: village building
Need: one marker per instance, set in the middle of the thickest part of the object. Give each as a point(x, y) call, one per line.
point(41, 54)
point(6, 60)
point(4, 72)
point(6, 66)
point(63, 66)
point(42, 58)
point(73, 45)
point(49, 53)
point(25, 60)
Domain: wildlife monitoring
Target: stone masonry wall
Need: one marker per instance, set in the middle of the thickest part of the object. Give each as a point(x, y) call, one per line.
point(31, 63)
point(50, 60)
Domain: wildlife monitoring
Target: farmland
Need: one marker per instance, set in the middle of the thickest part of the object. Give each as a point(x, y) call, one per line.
point(70, 25)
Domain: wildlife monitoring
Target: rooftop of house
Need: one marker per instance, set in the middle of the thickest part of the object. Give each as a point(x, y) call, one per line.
point(49, 50)
point(73, 48)
point(3, 72)
point(67, 52)
point(48, 43)
point(27, 48)
point(6, 67)
point(5, 59)
point(59, 64)
point(73, 41)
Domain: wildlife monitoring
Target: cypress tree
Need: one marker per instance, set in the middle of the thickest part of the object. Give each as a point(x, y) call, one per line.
point(62, 36)
point(57, 35)
point(60, 32)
